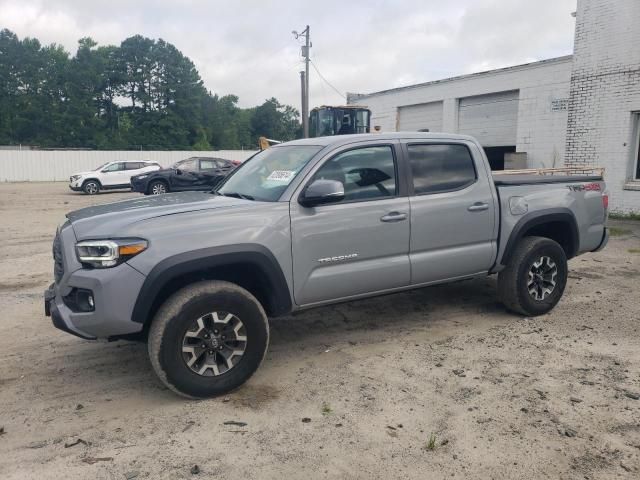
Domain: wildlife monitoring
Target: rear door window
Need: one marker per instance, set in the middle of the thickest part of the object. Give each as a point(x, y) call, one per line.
point(438, 168)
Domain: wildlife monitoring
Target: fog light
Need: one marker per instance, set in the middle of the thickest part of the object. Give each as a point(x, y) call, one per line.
point(80, 300)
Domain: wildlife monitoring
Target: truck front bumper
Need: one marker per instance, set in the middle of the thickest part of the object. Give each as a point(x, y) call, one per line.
point(51, 310)
point(139, 186)
point(76, 185)
point(113, 294)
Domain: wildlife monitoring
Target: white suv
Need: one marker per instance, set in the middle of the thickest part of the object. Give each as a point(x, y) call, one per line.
point(111, 175)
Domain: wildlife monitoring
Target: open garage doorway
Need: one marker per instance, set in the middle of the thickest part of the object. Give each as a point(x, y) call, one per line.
point(495, 155)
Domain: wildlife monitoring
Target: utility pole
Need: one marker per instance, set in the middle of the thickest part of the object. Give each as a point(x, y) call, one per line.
point(305, 94)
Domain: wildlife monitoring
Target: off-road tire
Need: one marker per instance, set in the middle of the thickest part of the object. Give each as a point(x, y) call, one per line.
point(91, 187)
point(513, 281)
point(166, 333)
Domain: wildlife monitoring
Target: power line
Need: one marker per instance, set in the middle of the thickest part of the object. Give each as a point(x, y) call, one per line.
point(326, 81)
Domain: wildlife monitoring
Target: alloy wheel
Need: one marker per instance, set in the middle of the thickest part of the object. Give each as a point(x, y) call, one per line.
point(541, 280)
point(214, 344)
point(158, 188)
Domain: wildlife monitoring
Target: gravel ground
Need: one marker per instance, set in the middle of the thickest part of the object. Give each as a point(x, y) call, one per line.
point(436, 383)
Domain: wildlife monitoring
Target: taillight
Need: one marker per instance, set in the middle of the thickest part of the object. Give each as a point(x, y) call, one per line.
point(605, 200)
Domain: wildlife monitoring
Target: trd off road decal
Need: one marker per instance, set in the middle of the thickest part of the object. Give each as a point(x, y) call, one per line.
point(587, 187)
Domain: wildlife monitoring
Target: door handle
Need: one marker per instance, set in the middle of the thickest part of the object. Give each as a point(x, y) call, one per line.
point(393, 217)
point(478, 207)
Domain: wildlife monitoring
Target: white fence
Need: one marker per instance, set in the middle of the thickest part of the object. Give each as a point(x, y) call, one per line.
point(58, 165)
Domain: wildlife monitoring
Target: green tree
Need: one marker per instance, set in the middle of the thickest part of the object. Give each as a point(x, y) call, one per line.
point(273, 120)
point(143, 93)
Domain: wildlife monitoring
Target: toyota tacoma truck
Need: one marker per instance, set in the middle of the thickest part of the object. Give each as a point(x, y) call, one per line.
point(307, 223)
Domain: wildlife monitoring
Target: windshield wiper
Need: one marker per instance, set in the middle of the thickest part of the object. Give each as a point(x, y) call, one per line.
point(236, 195)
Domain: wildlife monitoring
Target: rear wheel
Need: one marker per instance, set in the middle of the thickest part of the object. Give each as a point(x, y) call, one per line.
point(91, 187)
point(158, 187)
point(208, 339)
point(535, 278)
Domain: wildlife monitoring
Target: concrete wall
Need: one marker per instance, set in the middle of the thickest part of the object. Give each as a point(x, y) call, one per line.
point(605, 95)
point(58, 165)
point(542, 116)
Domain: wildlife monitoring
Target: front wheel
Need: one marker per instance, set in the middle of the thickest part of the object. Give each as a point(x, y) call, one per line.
point(91, 187)
point(158, 188)
point(208, 339)
point(535, 277)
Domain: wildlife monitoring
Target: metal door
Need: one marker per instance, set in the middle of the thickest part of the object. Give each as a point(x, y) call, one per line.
point(359, 245)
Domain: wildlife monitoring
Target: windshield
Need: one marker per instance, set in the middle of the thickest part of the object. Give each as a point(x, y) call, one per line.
point(179, 163)
point(267, 175)
point(101, 166)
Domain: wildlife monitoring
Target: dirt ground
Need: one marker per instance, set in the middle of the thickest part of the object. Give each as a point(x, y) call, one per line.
point(436, 383)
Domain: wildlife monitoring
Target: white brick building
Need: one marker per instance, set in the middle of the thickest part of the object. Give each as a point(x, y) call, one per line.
point(604, 107)
point(570, 110)
point(521, 108)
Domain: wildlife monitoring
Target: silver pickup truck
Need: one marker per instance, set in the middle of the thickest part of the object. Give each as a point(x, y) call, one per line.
point(308, 223)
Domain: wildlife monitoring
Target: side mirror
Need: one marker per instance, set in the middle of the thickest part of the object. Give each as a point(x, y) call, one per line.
point(321, 192)
point(178, 171)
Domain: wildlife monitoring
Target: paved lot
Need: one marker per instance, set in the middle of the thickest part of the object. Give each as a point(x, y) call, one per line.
point(500, 395)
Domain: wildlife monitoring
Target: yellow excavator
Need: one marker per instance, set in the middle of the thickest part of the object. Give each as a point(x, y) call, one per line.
point(264, 143)
point(327, 121)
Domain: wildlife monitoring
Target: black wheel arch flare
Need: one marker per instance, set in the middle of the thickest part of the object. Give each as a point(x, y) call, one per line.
point(532, 220)
point(276, 302)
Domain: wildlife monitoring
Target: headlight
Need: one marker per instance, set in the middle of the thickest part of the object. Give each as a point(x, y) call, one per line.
point(141, 177)
point(109, 253)
point(75, 177)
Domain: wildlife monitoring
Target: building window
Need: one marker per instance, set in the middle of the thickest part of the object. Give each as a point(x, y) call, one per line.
point(637, 151)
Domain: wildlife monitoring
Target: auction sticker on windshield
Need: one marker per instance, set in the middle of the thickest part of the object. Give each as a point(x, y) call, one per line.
point(281, 175)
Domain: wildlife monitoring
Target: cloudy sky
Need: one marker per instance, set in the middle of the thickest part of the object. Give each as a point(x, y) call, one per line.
point(245, 47)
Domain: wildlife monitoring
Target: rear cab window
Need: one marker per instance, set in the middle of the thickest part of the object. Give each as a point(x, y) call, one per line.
point(440, 167)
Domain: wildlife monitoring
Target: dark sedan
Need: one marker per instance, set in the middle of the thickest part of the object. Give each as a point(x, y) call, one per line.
point(196, 173)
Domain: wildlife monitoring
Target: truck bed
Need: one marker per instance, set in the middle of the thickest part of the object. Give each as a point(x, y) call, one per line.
point(532, 179)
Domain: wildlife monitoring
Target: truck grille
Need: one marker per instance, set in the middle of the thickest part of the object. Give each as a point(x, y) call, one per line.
point(58, 264)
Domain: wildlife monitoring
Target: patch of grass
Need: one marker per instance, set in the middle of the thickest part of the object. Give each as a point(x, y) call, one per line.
point(624, 216)
point(431, 444)
point(634, 250)
point(618, 232)
point(326, 408)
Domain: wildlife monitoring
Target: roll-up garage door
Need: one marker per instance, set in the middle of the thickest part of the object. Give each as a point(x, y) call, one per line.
point(491, 118)
point(425, 116)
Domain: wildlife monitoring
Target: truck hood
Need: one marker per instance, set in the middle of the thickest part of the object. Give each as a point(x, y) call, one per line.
point(84, 174)
point(112, 218)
